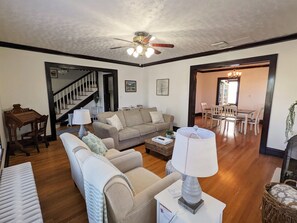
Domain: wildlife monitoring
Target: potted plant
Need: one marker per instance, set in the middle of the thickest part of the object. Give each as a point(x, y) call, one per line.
point(169, 133)
point(290, 121)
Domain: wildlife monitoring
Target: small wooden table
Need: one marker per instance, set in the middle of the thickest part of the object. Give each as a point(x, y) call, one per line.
point(165, 150)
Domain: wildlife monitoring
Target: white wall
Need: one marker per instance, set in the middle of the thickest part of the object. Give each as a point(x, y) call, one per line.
point(22, 76)
point(179, 72)
point(65, 79)
point(252, 89)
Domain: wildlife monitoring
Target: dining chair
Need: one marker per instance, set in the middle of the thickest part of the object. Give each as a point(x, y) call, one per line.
point(255, 121)
point(38, 131)
point(231, 116)
point(203, 110)
point(217, 115)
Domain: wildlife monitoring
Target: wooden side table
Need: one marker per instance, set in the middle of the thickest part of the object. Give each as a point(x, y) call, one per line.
point(167, 206)
point(165, 150)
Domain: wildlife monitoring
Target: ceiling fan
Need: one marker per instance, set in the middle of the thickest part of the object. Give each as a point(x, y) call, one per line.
point(141, 45)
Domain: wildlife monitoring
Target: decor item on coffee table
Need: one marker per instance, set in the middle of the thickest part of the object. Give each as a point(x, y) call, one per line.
point(81, 117)
point(165, 150)
point(195, 155)
point(169, 133)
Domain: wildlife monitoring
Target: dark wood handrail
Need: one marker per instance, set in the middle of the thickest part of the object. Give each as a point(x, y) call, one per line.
point(73, 82)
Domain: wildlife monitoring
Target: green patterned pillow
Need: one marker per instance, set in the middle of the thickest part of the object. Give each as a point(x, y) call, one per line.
point(95, 144)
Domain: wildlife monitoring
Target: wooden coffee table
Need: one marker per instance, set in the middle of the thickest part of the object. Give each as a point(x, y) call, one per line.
point(165, 150)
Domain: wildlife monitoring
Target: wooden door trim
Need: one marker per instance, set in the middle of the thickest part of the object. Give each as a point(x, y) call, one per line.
point(272, 59)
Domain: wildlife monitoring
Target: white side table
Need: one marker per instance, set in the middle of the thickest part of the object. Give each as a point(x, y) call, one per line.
point(167, 206)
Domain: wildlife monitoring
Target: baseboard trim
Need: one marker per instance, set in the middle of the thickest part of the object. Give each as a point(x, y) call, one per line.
point(275, 152)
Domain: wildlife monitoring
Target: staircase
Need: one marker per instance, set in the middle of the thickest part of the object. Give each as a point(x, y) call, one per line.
point(74, 94)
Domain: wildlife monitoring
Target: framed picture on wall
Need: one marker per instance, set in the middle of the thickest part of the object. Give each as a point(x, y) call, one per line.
point(54, 73)
point(162, 87)
point(130, 86)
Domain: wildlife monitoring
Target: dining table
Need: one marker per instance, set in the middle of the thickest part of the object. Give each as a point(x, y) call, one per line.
point(245, 113)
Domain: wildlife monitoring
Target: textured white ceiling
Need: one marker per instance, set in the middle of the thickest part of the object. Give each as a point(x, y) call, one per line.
point(88, 27)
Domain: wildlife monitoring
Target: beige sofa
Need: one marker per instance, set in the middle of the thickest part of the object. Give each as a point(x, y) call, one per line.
point(122, 160)
point(137, 125)
point(126, 203)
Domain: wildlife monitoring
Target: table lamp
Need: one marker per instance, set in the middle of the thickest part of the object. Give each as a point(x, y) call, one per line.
point(195, 155)
point(81, 117)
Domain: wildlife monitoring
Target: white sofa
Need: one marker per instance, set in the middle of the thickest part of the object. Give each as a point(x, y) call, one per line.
point(122, 160)
point(131, 202)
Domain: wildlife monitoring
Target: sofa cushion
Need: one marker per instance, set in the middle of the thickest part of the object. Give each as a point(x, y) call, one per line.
point(141, 178)
point(145, 114)
point(145, 129)
point(157, 117)
point(115, 122)
point(103, 115)
point(95, 144)
point(161, 126)
point(133, 117)
point(128, 133)
point(112, 153)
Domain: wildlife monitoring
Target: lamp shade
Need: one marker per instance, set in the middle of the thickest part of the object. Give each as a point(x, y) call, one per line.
point(81, 117)
point(195, 152)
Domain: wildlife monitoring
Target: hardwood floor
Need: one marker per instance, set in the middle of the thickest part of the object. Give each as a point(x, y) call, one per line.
point(239, 183)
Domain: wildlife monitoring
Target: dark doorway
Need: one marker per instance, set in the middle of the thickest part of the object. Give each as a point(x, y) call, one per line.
point(108, 87)
point(50, 66)
point(272, 59)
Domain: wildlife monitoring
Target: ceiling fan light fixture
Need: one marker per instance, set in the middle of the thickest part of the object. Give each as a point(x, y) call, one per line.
point(147, 54)
point(135, 54)
point(130, 51)
point(139, 49)
point(150, 50)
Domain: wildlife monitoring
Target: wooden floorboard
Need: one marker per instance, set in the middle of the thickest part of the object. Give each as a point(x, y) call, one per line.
point(239, 183)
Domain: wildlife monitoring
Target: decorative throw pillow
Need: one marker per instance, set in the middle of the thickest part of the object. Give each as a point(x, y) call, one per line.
point(285, 194)
point(95, 144)
point(157, 117)
point(115, 122)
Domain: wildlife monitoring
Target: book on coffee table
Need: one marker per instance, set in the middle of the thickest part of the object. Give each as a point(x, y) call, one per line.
point(162, 140)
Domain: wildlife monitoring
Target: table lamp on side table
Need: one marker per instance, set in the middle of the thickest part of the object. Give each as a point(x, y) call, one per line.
point(195, 155)
point(81, 117)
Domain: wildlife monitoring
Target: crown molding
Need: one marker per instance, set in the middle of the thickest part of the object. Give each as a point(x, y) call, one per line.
point(190, 56)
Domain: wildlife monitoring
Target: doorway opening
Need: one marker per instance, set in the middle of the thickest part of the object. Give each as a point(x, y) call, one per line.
point(71, 87)
point(271, 60)
point(227, 91)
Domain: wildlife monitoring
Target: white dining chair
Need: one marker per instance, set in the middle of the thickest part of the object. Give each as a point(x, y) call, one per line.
point(231, 116)
point(217, 115)
point(203, 110)
point(255, 121)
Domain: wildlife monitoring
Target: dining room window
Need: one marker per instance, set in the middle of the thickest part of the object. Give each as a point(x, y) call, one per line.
point(227, 91)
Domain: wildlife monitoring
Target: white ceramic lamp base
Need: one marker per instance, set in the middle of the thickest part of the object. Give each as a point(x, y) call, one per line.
point(191, 194)
point(82, 131)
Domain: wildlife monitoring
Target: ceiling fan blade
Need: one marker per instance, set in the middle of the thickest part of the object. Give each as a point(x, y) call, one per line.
point(162, 45)
point(157, 51)
point(117, 47)
point(147, 39)
point(123, 40)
